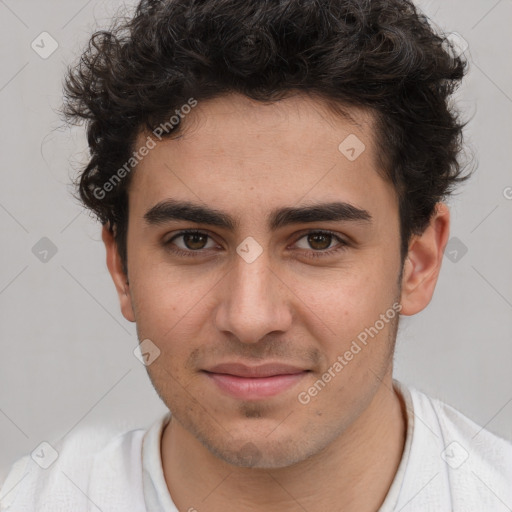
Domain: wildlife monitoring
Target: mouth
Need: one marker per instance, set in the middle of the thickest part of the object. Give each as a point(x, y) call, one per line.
point(254, 382)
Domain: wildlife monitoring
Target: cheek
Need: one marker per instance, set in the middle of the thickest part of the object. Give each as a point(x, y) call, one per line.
point(164, 295)
point(344, 301)
point(342, 312)
point(172, 308)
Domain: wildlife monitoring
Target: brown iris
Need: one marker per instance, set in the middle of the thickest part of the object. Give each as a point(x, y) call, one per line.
point(195, 241)
point(319, 241)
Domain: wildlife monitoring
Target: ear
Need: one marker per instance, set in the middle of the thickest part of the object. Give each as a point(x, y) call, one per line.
point(423, 262)
point(115, 268)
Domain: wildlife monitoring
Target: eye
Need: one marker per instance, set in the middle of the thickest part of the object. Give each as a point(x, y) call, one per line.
point(190, 242)
point(321, 243)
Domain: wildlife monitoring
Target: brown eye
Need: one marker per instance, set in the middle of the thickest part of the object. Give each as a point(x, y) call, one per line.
point(317, 244)
point(195, 241)
point(319, 241)
point(190, 242)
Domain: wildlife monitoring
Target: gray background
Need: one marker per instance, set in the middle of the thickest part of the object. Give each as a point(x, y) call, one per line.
point(67, 353)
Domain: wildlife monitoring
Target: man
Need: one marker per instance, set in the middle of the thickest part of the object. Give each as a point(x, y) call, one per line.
point(271, 180)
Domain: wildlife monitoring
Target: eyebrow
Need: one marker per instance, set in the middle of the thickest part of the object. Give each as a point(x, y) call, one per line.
point(171, 209)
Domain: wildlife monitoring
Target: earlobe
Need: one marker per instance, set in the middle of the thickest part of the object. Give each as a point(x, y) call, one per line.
point(423, 262)
point(117, 273)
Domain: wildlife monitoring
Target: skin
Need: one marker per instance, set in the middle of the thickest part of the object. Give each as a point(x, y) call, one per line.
point(342, 449)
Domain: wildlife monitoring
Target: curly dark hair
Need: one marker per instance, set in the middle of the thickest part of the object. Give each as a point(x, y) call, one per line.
point(381, 55)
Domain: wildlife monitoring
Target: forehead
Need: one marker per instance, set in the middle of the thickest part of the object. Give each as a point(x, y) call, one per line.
point(303, 123)
point(248, 155)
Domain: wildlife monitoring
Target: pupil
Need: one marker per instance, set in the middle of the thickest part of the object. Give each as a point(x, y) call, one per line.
point(316, 239)
point(194, 244)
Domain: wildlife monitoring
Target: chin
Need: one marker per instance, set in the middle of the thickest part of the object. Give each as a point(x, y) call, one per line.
point(260, 452)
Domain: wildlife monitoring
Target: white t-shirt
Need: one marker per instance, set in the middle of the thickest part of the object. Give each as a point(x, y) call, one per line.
point(449, 464)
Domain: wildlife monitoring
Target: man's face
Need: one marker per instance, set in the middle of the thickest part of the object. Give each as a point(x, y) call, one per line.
point(291, 295)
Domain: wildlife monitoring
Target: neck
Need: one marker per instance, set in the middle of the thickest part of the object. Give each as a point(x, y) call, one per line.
point(354, 473)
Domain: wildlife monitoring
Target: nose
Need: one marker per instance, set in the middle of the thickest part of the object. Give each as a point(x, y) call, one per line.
point(254, 301)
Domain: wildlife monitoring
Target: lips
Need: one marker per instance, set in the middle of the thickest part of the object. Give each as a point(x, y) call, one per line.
point(264, 370)
point(254, 382)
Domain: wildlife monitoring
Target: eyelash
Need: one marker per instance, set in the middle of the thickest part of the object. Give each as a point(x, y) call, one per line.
point(310, 254)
